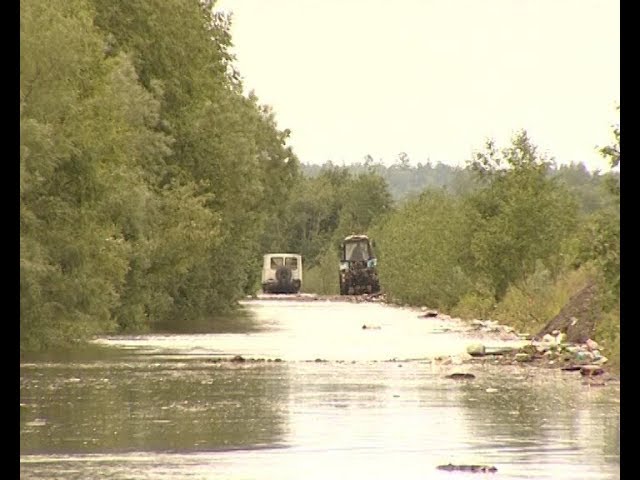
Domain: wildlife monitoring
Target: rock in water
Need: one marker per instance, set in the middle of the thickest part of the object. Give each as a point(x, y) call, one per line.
point(476, 350)
point(591, 370)
point(461, 376)
point(571, 368)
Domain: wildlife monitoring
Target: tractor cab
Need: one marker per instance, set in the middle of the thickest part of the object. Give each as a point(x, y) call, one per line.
point(358, 270)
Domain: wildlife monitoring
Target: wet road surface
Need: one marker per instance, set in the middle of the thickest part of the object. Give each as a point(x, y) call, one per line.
point(317, 397)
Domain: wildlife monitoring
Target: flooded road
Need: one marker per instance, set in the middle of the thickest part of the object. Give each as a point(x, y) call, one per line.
point(317, 397)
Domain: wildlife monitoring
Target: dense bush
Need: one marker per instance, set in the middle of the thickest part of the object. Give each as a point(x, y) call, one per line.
point(514, 248)
point(146, 177)
point(423, 251)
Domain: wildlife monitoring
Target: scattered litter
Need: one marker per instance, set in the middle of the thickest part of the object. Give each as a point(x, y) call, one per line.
point(468, 468)
point(461, 376)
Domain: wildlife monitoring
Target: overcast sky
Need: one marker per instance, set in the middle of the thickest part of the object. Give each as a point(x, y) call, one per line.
point(432, 78)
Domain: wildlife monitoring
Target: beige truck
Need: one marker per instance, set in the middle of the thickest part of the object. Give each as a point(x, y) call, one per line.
point(281, 273)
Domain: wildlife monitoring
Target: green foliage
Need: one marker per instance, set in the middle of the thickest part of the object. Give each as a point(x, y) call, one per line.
point(324, 209)
point(366, 201)
point(598, 241)
point(83, 125)
point(422, 251)
point(612, 152)
point(591, 190)
point(608, 335)
point(531, 303)
point(476, 304)
point(146, 178)
point(312, 217)
point(409, 181)
point(521, 216)
point(323, 277)
point(514, 248)
point(405, 180)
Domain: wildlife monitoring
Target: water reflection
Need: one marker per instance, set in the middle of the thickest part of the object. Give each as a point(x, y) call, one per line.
point(147, 406)
point(239, 321)
point(522, 419)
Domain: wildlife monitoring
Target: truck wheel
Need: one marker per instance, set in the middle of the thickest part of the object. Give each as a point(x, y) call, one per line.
point(283, 275)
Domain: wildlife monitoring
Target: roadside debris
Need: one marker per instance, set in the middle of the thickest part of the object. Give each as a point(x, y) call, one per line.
point(552, 351)
point(461, 376)
point(591, 370)
point(428, 313)
point(504, 331)
point(468, 468)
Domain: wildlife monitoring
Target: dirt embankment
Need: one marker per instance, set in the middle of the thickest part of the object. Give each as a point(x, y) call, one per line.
point(577, 319)
point(566, 342)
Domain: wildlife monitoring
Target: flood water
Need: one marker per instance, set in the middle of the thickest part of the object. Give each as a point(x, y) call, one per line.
point(318, 397)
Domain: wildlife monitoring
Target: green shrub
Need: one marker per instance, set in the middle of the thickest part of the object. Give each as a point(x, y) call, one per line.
point(530, 304)
point(479, 303)
point(422, 251)
point(323, 278)
point(607, 334)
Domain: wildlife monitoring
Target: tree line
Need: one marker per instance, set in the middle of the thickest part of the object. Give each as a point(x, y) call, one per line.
point(147, 178)
point(405, 179)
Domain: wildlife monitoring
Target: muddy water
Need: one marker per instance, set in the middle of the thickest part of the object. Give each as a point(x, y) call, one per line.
point(323, 399)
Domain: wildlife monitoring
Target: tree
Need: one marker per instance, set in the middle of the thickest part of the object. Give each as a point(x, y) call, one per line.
point(225, 143)
point(521, 215)
point(147, 176)
point(422, 248)
point(366, 201)
point(612, 152)
point(86, 127)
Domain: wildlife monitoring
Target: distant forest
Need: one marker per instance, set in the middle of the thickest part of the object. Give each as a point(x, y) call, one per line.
point(405, 180)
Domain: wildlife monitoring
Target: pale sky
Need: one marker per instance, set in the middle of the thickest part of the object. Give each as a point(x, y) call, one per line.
point(432, 78)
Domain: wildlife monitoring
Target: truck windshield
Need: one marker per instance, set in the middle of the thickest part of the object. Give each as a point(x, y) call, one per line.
point(356, 251)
